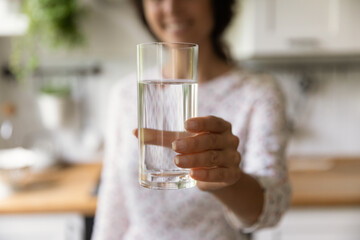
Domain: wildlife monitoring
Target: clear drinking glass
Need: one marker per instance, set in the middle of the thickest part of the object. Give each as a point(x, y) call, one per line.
point(167, 97)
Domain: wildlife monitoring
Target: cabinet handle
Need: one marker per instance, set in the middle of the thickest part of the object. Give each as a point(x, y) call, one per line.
point(307, 43)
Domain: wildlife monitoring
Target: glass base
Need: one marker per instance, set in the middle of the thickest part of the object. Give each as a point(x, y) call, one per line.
point(167, 180)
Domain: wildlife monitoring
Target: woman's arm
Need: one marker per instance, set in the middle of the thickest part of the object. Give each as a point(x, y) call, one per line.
point(245, 199)
point(260, 193)
point(214, 160)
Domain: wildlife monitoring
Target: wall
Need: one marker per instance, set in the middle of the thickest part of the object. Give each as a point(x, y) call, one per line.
point(324, 118)
point(323, 109)
point(26, 120)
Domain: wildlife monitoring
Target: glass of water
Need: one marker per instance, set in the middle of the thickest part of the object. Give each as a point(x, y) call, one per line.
point(167, 97)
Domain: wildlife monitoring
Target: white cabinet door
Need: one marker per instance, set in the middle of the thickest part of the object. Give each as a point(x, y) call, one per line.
point(316, 224)
point(292, 25)
point(298, 28)
point(42, 227)
point(13, 24)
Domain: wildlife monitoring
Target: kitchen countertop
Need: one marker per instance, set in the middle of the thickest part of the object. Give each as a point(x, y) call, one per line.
point(67, 189)
point(316, 181)
point(325, 181)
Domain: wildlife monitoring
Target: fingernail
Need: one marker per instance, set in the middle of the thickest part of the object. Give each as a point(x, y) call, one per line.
point(191, 124)
point(177, 160)
point(178, 145)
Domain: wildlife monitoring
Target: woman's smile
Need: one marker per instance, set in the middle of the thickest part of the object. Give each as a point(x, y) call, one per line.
point(180, 20)
point(177, 27)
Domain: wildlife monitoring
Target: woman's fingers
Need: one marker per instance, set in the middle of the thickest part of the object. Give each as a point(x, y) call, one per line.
point(226, 175)
point(205, 141)
point(158, 137)
point(207, 124)
point(207, 159)
point(210, 186)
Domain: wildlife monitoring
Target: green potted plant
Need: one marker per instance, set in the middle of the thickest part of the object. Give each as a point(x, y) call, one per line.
point(56, 106)
point(53, 24)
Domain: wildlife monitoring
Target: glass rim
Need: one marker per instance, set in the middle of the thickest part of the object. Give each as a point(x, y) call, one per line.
point(184, 44)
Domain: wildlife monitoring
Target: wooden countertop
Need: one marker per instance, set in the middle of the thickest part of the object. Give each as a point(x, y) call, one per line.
point(316, 181)
point(67, 189)
point(325, 181)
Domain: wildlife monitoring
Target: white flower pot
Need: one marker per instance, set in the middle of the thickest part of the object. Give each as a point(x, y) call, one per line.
point(56, 111)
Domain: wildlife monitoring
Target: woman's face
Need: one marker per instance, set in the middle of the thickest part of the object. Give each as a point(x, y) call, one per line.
point(180, 20)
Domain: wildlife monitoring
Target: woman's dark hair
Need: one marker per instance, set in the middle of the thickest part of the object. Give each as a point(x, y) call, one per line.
point(223, 12)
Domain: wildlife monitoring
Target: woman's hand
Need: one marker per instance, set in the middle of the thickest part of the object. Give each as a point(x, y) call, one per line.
point(208, 148)
point(211, 154)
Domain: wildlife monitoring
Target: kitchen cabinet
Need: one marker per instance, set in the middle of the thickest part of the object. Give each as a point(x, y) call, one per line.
point(341, 223)
point(56, 204)
point(325, 201)
point(13, 24)
point(270, 29)
point(69, 226)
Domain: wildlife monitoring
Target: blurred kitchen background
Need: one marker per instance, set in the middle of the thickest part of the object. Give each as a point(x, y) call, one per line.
point(52, 121)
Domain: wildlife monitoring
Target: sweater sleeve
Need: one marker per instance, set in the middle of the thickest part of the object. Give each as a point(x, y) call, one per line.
point(111, 219)
point(264, 155)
